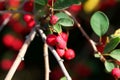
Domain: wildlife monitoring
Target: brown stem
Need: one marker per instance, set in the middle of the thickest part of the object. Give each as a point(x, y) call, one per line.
point(85, 35)
point(46, 59)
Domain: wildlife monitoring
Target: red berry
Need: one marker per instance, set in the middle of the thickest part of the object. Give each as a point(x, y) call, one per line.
point(56, 74)
point(14, 3)
point(64, 36)
point(116, 72)
point(61, 43)
point(60, 52)
point(6, 64)
point(75, 9)
point(27, 17)
point(28, 6)
point(53, 19)
point(51, 39)
point(31, 24)
point(69, 54)
point(18, 27)
point(2, 5)
point(17, 44)
point(21, 66)
point(50, 2)
point(6, 15)
point(8, 40)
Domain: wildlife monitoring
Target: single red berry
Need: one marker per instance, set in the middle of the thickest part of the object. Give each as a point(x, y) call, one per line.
point(116, 72)
point(27, 17)
point(6, 64)
point(13, 3)
point(50, 2)
point(75, 9)
point(69, 54)
point(2, 5)
point(64, 36)
point(17, 44)
point(21, 66)
point(31, 24)
point(28, 6)
point(51, 39)
point(8, 40)
point(61, 43)
point(60, 52)
point(17, 26)
point(56, 74)
point(6, 15)
point(53, 19)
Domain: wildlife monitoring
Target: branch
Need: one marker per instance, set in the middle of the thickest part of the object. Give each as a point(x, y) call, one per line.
point(14, 11)
point(20, 55)
point(85, 35)
point(5, 22)
point(46, 59)
point(59, 60)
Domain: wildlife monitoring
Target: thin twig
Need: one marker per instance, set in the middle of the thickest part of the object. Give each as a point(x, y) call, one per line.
point(46, 59)
point(14, 11)
point(5, 22)
point(20, 55)
point(85, 35)
point(59, 60)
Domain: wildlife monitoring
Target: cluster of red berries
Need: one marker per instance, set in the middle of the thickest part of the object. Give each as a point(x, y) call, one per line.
point(60, 41)
point(116, 72)
point(29, 20)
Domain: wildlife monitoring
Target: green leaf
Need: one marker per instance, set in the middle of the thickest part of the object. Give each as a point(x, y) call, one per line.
point(115, 54)
point(109, 66)
point(39, 7)
point(41, 2)
point(99, 23)
point(63, 78)
point(57, 28)
point(63, 4)
point(62, 15)
point(39, 10)
point(96, 55)
point(112, 44)
point(66, 22)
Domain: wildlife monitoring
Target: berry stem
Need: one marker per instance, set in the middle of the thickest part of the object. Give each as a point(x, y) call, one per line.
point(52, 8)
point(59, 60)
point(46, 59)
point(20, 55)
point(93, 44)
